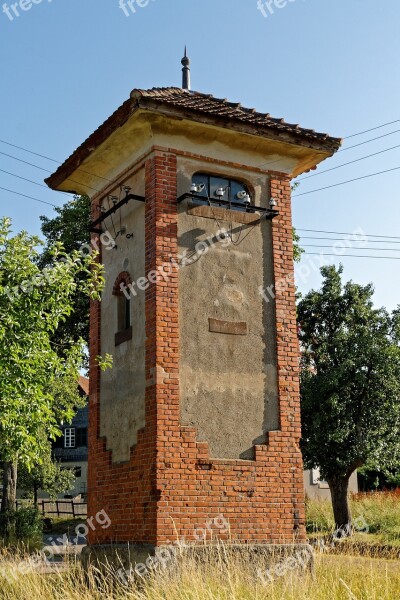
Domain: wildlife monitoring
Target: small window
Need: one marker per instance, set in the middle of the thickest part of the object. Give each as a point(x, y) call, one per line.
point(81, 437)
point(220, 191)
point(78, 471)
point(69, 437)
point(124, 312)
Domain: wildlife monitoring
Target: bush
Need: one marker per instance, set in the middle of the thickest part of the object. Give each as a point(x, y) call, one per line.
point(22, 525)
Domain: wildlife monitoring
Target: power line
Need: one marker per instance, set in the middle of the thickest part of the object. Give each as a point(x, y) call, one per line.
point(30, 197)
point(311, 237)
point(368, 130)
point(354, 255)
point(46, 170)
point(29, 180)
point(368, 141)
point(48, 158)
point(30, 151)
point(349, 163)
point(392, 237)
point(361, 248)
point(348, 181)
point(25, 162)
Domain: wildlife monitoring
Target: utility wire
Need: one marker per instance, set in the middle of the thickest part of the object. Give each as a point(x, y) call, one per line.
point(30, 151)
point(29, 180)
point(391, 237)
point(349, 163)
point(348, 239)
point(348, 181)
point(368, 141)
point(45, 170)
point(354, 255)
point(52, 160)
point(367, 130)
point(30, 197)
point(360, 248)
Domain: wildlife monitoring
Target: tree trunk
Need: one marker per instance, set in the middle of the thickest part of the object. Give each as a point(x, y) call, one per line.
point(35, 495)
point(9, 487)
point(340, 503)
point(9, 498)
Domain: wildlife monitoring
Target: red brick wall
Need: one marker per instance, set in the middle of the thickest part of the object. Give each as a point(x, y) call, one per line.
point(170, 486)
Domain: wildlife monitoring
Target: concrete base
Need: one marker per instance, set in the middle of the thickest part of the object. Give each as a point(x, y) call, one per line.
point(129, 561)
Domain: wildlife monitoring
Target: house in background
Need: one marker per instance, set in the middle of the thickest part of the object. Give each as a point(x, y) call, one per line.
point(71, 448)
point(318, 489)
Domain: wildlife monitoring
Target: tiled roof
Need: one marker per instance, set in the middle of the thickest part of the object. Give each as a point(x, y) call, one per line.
point(84, 385)
point(207, 104)
point(193, 105)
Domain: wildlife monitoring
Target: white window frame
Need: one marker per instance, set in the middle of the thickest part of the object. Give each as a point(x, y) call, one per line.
point(70, 437)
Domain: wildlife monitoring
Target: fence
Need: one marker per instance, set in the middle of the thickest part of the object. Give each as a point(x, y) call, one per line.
point(59, 508)
point(62, 508)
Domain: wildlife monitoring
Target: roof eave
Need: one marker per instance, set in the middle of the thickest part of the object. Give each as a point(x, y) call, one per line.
point(326, 144)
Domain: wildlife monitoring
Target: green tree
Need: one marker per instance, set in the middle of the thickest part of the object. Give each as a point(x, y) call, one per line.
point(297, 249)
point(350, 384)
point(47, 475)
point(33, 303)
point(71, 228)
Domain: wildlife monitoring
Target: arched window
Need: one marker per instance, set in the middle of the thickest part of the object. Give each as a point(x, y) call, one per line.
point(220, 191)
point(122, 292)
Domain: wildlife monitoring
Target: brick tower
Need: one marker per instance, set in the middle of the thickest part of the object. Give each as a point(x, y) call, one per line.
point(198, 421)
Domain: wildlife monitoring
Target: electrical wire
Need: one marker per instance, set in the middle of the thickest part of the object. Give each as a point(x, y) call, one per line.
point(348, 181)
point(348, 163)
point(353, 255)
point(45, 170)
point(30, 197)
point(368, 130)
point(51, 159)
point(359, 248)
point(368, 141)
point(29, 180)
point(391, 237)
point(348, 239)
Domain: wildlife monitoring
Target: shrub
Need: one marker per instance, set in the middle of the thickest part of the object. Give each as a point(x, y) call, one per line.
point(25, 525)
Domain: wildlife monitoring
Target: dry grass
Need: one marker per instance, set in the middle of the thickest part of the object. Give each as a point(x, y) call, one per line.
point(226, 576)
point(223, 578)
point(379, 510)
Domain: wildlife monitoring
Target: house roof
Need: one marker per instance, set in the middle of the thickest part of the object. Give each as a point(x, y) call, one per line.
point(198, 107)
point(84, 385)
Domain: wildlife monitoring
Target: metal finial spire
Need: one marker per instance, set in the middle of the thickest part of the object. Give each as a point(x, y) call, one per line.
point(186, 71)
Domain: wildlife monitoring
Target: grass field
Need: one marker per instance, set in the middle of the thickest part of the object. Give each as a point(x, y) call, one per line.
point(228, 577)
point(336, 577)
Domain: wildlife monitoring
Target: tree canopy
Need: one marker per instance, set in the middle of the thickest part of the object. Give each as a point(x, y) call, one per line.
point(34, 301)
point(71, 228)
point(350, 383)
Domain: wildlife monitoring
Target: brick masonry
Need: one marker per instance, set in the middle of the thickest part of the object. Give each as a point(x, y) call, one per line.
point(171, 487)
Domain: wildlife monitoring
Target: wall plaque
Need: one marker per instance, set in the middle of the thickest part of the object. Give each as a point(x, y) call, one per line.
point(230, 327)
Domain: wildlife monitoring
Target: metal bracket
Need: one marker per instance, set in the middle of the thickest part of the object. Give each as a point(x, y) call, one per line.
point(267, 212)
point(111, 211)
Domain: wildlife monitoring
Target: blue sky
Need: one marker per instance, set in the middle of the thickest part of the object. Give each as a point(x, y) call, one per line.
point(332, 66)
